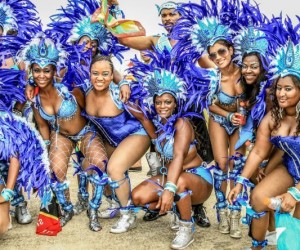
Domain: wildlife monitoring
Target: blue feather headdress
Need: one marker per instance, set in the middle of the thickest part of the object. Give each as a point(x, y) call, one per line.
point(287, 61)
point(7, 18)
point(74, 22)
point(43, 51)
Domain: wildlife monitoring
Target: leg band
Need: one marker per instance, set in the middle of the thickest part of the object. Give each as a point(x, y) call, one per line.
point(18, 197)
point(219, 178)
point(83, 180)
point(98, 183)
point(59, 190)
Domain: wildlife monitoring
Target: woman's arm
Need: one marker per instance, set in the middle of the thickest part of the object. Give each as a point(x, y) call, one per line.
point(80, 98)
point(182, 140)
point(139, 115)
point(139, 42)
point(13, 171)
point(260, 151)
point(43, 125)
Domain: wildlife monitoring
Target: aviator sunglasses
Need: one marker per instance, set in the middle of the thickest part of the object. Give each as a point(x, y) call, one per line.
point(220, 52)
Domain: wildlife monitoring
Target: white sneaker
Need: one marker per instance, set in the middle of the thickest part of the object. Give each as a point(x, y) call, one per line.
point(126, 222)
point(174, 221)
point(110, 212)
point(271, 237)
point(184, 236)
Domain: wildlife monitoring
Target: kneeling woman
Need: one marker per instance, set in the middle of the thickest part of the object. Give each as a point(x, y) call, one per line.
point(184, 173)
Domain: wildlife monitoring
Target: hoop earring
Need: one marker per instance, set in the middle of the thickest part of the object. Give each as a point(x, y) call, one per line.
point(297, 110)
point(281, 113)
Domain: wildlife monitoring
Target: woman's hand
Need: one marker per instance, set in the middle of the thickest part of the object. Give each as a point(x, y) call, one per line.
point(165, 202)
point(235, 119)
point(288, 202)
point(125, 93)
point(232, 196)
point(29, 92)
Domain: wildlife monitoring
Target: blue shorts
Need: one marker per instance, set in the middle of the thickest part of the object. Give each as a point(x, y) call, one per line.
point(202, 171)
point(224, 123)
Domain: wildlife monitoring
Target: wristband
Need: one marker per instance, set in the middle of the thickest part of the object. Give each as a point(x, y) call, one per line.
point(293, 191)
point(171, 187)
point(47, 142)
point(244, 181)
point(229, 116)
point(124, 82)
point(7, 194)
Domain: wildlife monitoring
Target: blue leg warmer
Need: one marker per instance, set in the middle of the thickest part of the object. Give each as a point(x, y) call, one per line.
point(59, 190)
point(98, 183)
point(219, 177)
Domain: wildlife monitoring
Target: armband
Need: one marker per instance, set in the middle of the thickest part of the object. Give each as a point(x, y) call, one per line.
point(7, 194)
point(295, 192)
point(124, 82)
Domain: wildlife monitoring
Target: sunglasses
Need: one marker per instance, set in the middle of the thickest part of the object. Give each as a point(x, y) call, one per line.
point(220, 52)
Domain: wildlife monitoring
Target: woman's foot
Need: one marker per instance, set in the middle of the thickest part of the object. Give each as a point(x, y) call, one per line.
point(110, 212)
point(126, 222)
point(224, 223)
point(66, 217)
point(152, 215)
point(94, 224)
point(81, 205)
point(200, 216)
point(22, 213)
point(184, 236)
point(235, 228)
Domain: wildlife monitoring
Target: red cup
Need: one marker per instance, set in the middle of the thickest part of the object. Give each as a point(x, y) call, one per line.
point(242, 119)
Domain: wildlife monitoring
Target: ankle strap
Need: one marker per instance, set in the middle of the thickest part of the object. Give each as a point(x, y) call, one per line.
point(256, 243)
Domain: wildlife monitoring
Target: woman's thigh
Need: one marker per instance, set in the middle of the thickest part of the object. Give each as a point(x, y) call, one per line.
point(219, 142)
point(201, 189)
point(128, 152)
point(275, 183)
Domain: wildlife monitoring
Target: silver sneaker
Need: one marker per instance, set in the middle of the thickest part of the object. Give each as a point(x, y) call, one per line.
point(184, 236)
point(22, 213)
point(81, 205)
point(235, 228)
point(174, 221)
point(112, 210)
point(126, 222)
point(154, 163)
point(224, 223)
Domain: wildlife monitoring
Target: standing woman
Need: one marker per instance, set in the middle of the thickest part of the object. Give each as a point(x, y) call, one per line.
point(125, 139)
point(73, 24)
point(281, 128)
point(58, 115)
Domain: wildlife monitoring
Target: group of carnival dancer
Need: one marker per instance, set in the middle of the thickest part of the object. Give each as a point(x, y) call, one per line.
point(222, 57)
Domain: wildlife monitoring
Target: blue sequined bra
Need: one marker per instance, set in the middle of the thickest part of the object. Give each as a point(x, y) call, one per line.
point(166, 151)
point(291, 159)
point(67, 109)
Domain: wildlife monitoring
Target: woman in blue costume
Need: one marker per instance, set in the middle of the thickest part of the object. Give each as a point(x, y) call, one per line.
point(58, 115)
point(22, 147)
point(125, 139)
point(73, 24)
point(184, 178)
point(19, 23)
point(281, 128)
point(212, 27)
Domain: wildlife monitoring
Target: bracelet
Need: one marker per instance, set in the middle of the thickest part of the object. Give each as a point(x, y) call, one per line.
point(244, 181)
point(295, 192)
point(170, 186)
point(124, 82)
point(47, 142)
point(17, 112)
point(229, 116)
point(7, 194)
